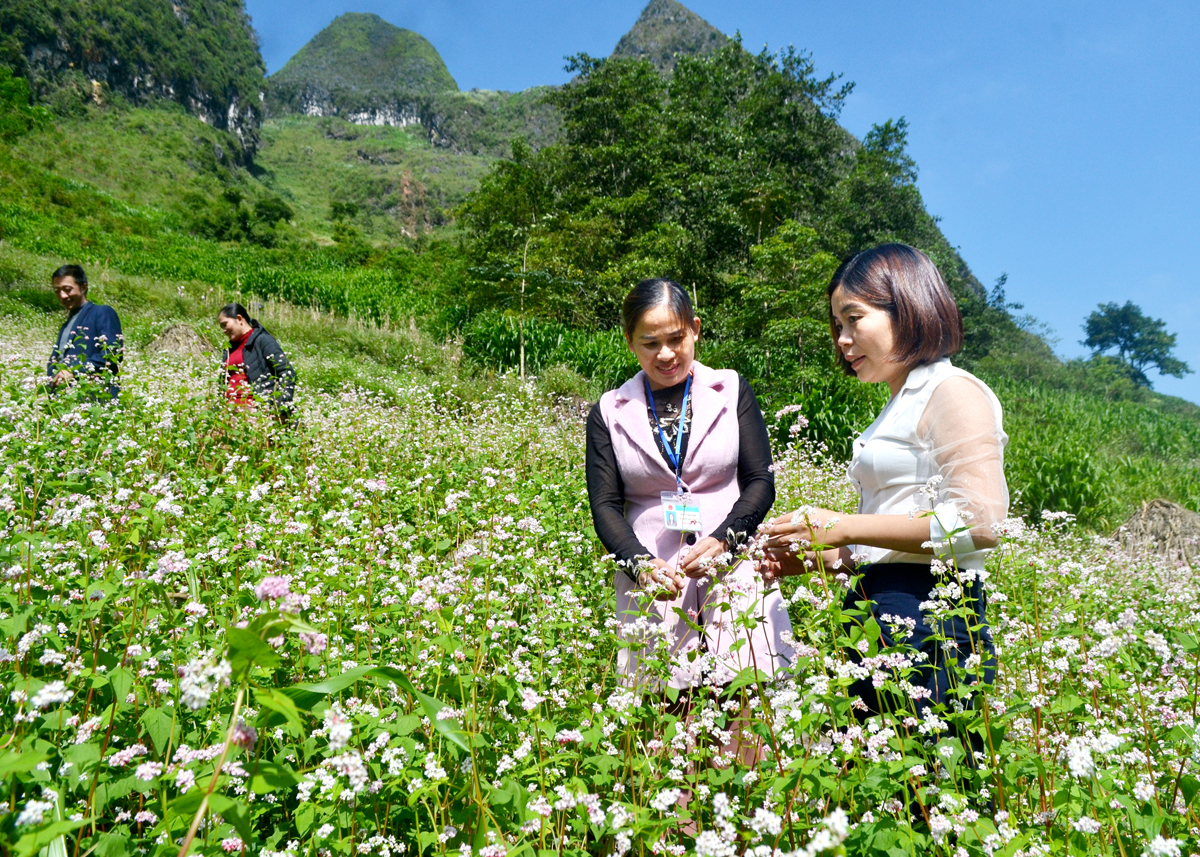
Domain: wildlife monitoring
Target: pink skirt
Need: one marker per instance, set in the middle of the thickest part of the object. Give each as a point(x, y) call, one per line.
point(659, 640)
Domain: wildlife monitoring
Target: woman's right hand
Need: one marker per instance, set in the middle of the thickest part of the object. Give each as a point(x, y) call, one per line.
point(661, 580)
point(777, 563)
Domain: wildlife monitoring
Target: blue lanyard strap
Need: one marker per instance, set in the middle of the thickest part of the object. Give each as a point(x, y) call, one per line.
point(673, 455)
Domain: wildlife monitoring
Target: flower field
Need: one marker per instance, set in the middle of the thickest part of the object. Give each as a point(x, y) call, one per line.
point(388, 629)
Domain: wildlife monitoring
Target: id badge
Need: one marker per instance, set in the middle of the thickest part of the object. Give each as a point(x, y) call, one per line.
point(680, 511)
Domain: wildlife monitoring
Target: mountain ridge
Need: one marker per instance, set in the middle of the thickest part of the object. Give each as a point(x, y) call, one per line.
point(361, 65)
point(667, 30)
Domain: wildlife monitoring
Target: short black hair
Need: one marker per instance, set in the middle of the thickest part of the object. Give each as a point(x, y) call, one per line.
point(906, 284)
point(652, 292)
point(75, 272)
point(233, 311)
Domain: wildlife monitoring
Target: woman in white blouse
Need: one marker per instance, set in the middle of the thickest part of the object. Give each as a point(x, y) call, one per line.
point(929, 471)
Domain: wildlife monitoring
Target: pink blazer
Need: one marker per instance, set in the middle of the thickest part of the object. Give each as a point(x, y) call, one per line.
point(709, 470)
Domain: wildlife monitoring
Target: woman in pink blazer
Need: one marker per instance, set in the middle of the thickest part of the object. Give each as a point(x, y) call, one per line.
point(679, 474)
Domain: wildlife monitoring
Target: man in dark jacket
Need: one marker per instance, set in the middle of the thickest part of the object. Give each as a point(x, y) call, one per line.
point(90, 345)
point(256, 368)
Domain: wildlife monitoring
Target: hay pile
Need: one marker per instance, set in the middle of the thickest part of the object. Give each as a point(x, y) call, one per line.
point(1162, 528)
point(180, 342)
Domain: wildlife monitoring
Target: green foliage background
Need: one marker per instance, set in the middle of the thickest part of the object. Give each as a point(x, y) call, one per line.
point(730, 175)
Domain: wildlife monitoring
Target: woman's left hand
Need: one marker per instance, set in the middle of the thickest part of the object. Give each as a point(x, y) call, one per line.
point(706, 548)
point(806, 528)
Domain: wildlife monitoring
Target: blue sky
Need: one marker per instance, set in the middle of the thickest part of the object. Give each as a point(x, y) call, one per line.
point(1058, 142)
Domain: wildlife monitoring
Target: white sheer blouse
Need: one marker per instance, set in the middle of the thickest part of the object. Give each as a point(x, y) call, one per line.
point(938, 445)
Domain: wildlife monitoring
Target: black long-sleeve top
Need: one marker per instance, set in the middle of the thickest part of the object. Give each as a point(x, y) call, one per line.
point(606, 490)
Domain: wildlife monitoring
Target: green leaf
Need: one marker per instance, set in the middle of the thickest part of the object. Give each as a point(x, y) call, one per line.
point(871, 630)
point(306, 814)
point(111, 845)
point(603, 764)
point(405, 724)
point(80, 755)
point(122, 683)
point(748, 676)
point(1189, 786)
point(12, 762)
point(247, 650)
point(112, 790)
point(32, 843)
point(158, 725)
point(281, 705)
point(269, 776)
point(307, 695)
point(235, 812)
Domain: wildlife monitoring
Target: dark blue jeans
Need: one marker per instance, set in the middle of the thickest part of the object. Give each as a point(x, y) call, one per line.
point(898, 589)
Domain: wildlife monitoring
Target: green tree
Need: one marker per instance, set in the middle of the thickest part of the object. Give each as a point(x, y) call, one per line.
point(878, 200)
point(675, 176)
point(1140, 341)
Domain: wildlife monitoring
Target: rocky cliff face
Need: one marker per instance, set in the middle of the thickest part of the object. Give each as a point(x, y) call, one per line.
point(667, 30)
point(202, 54)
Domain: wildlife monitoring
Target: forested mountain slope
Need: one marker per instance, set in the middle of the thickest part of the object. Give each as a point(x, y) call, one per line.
point(201, 54)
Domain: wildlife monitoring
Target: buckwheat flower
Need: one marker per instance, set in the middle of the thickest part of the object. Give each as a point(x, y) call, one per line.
point(338, 729)
point(121, 758)
point(54, 693)
point(232, 844)
point(314, 644)
point(148, 771)
point(184, 780)
point(145, 817)
point(34, 812)
point(173, 562)
point(1163, 848)
point(766, 822)
point(200, 679)
point(433, 770)
point(665, 800)
point(1159, 644)
point(837, 823)
point(272, 587)
point(568, 736)
point(1079, 758)
point(195, 610)
point(540, 806)
point(711, 844)
point(244, 735)
point(939, 826)
point(530, 699)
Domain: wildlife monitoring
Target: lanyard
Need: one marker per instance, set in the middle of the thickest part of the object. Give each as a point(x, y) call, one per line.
point(672, 454)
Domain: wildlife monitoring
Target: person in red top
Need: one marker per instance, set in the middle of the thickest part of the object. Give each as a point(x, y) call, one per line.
point(238, 389)
point(256, 369)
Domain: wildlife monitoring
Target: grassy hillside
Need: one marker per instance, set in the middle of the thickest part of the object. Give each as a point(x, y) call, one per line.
point(395, 181)
point(397, 184)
